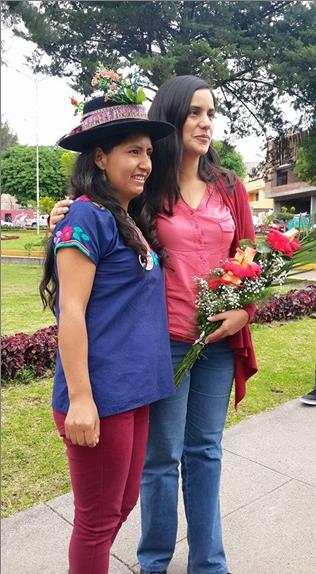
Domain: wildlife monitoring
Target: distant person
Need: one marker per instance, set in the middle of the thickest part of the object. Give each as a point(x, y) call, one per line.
point(310, 398)
point(114, 359)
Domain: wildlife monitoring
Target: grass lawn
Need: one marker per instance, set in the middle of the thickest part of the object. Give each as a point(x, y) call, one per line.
point(25, 236)
point(21, 304)
point(34, 464)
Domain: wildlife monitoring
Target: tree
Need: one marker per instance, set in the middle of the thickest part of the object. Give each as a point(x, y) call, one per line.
point(230, 158)
point(67, 161)
point(19, 173)
point(286, 214)
point(254, 53)
point(305, 166)
point(8, 138)
point(46, 204)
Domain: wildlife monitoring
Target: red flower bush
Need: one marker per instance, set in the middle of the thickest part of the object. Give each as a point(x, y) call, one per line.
point(38, 351)
point(296, 303)
point(21, 351)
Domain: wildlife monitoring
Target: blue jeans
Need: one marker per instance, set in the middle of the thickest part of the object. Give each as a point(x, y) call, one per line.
point(187, 427)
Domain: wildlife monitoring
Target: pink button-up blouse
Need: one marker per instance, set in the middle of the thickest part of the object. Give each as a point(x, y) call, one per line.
point(196, 240)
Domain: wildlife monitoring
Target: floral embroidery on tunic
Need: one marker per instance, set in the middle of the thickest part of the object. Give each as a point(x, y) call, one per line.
point(72, 237)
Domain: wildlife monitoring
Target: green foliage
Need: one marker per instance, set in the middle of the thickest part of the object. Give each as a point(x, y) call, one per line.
point(37, 246)
point(7, 137)
point(67, 161)
point(23, 236)
point(230, 158)
point(19, 173)
point(268, 219)
point(29, 433)
point(286, 214)
point(305, 166)
point(254, 53)
point(46, 204)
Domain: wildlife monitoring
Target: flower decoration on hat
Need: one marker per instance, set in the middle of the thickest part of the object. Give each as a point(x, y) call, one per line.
point(77, 105)
point(116, 88)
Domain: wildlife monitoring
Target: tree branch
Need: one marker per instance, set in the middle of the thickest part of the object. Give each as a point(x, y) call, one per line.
point(248, 109)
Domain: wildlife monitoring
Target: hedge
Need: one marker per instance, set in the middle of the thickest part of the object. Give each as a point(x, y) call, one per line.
point(37, 352)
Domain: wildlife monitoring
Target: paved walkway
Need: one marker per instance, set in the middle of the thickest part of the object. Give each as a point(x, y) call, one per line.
point(268, 507)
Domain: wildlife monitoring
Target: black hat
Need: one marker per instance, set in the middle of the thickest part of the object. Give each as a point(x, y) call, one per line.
point(103, 119)
point(118, 112)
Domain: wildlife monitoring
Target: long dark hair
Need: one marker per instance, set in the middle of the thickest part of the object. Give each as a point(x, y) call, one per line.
point(172, 104)
point(88, 179)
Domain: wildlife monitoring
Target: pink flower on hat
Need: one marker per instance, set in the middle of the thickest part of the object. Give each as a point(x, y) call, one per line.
point(113, 75)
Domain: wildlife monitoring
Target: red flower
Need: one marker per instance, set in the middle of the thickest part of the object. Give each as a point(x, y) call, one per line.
point(230, 279)
point(280, 242)
point(66, 233)
point(73, 101)
point(215, 283)
point(251, 270)
point(296, 244)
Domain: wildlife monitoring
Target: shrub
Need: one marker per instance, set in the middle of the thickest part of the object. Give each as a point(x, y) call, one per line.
point(21, 353)
point(36, 352)
point(293, 304)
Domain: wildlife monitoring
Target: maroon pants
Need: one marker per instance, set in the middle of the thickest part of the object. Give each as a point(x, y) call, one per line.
point(105, 482)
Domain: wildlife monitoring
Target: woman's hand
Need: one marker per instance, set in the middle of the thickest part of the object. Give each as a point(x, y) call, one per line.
point(58, 212)
point(82, 424)
point(233, 321)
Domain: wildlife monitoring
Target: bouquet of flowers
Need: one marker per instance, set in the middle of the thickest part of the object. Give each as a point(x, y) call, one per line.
point(246, 279)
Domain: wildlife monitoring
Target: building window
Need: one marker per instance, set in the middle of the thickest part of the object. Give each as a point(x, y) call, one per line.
point(282, 177)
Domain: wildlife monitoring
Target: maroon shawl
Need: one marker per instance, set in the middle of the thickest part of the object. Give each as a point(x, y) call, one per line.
point(241, 342)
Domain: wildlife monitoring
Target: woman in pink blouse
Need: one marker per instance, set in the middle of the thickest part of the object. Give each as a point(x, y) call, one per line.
point(201, 212)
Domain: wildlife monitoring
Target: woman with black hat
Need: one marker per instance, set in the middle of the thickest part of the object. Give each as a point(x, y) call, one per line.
point(106, 284)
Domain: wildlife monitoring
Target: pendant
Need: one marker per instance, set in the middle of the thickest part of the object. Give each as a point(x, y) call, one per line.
point(148, 264)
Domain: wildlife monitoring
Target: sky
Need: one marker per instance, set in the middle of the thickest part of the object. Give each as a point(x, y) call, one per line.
point(52, 115)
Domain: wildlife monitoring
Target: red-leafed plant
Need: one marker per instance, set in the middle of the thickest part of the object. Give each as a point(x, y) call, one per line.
point(36, 352)
point(291, 305)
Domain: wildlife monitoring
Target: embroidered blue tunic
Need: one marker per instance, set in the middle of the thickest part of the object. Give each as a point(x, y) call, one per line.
point(128, 347)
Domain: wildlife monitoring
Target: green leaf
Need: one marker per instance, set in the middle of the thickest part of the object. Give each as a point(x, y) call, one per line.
point(140, 96)
point(263, 248)
point(247, 242)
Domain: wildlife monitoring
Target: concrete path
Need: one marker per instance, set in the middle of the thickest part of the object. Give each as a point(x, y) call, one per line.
point(268, 507)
